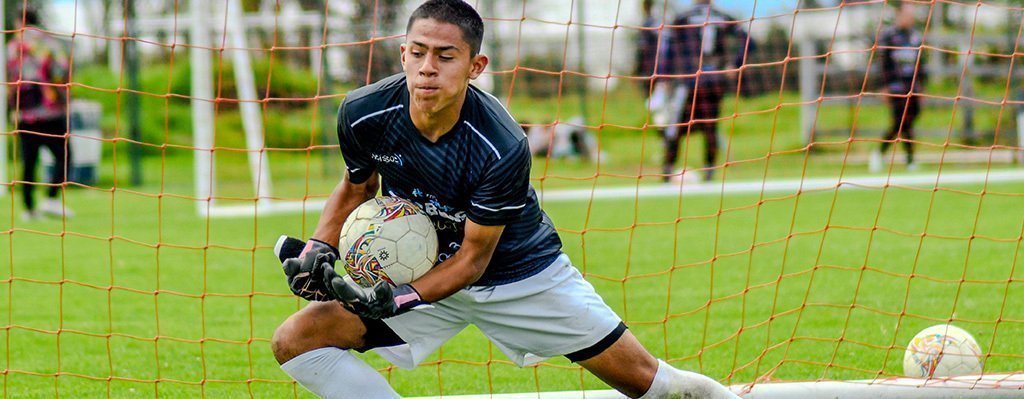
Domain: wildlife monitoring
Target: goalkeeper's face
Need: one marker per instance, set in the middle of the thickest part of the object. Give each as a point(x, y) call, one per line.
point(438, 65)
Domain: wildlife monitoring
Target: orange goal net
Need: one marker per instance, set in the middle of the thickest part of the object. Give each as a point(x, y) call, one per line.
point(782, 204)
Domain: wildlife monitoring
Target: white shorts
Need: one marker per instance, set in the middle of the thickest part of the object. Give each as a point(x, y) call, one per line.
point(555, 312)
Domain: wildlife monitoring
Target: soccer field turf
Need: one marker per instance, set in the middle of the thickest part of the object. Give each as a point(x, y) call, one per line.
point(138, 296)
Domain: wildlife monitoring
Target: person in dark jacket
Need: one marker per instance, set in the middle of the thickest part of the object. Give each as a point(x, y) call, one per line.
point(899, 49)
point(698, 48)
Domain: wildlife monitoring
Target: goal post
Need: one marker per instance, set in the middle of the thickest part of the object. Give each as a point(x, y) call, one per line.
point(1002, 386)
point(201, 100)
point(203, 115)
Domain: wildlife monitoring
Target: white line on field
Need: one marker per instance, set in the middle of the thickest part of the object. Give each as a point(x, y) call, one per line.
point(675, 190)
point(809, 184)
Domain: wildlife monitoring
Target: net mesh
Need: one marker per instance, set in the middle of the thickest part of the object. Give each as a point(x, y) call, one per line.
point(796, 261)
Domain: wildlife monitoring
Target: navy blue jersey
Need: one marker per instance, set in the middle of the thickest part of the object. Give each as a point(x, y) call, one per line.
point(479, 170)
point(900, 50)
point(647, 47)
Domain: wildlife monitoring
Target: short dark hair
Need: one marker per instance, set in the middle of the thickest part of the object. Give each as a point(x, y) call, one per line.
point(455, 12)
point(30, 14)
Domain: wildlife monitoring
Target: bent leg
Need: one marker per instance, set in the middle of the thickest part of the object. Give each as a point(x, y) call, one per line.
point(710, 148)
point(708, 109)
point(61, 150)
point(674, 135)
point(30, 143)
point(312, 347)
point(671, 139)
point(318, 325)
point(630, 369)
point(625, 366)
point(898, 108)
point(909, 118)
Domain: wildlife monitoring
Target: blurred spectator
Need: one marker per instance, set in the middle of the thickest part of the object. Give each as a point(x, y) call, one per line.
point(699, 41)
point(647, 48)
point(899, 49)
point(567, 139)
point(38, 63)
point(663, 99)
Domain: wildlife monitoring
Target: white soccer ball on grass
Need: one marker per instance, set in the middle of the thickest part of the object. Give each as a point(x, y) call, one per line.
point(387, 238)
point(942, 351)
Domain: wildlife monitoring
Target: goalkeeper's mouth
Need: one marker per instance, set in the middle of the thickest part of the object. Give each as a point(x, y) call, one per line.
point(427, 90)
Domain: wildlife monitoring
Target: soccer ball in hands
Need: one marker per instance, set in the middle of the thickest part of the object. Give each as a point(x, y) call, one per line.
point(387, 238)
point(942, 351)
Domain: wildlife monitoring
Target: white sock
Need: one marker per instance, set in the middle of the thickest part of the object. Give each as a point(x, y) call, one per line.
point(332, 373)
point(671, 383)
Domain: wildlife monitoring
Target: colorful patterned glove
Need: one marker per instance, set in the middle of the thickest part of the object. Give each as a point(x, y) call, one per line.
point(304, 269)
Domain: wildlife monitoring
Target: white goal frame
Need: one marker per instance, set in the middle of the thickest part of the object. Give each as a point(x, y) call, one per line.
point(203, 117)
point(990, 386)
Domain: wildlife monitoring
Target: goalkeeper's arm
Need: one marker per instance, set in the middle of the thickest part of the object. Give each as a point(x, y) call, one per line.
point(304, 263)
point(464, 267)
point(459, 271)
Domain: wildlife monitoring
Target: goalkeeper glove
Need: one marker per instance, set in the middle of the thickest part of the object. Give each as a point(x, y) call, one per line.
point(304, 268)
point(379, 302)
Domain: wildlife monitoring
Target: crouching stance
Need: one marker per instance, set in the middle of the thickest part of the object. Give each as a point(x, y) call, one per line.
point(430, 137)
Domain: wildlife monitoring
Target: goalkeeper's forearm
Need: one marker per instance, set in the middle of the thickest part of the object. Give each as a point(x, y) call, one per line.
point(465, 267)
point(345, 198)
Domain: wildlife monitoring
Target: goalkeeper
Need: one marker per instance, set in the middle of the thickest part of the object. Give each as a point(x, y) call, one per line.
point(428, 136)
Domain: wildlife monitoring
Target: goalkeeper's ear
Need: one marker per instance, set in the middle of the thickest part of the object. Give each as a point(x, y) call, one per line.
point(477, 65)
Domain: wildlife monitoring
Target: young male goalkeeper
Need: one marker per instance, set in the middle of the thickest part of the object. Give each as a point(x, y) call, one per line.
point(428, 136)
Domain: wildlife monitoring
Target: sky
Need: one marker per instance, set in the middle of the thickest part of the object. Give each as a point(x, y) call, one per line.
point(739, 8)
point(742, 8)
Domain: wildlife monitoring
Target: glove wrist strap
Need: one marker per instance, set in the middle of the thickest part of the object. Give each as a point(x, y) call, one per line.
point(407, 298)
point(316, 245)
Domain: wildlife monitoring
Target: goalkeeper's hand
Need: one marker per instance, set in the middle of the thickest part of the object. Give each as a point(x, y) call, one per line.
point(304, 269)
point(379, 302)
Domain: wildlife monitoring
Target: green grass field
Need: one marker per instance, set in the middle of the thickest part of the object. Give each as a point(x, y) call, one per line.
point(138, 296)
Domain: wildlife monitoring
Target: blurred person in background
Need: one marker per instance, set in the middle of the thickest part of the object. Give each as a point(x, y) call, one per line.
point(647, 48)
point(37, 69)
point(699, 41)
point(899, 48)
point(568, 139)
point(662, 97)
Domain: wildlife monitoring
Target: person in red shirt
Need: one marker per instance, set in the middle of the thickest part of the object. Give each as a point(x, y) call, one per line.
point(37, 73)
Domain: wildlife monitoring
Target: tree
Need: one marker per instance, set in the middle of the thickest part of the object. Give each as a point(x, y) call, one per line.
point(380, 56)
point(13, 15)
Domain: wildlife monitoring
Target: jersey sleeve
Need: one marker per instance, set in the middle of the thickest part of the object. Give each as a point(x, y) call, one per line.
point(357, 162)
point(58, 63)
point(504, 190)
point(744, 43)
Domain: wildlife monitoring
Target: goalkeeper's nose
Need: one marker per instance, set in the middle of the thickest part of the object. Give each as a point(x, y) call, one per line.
point(429, 66)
